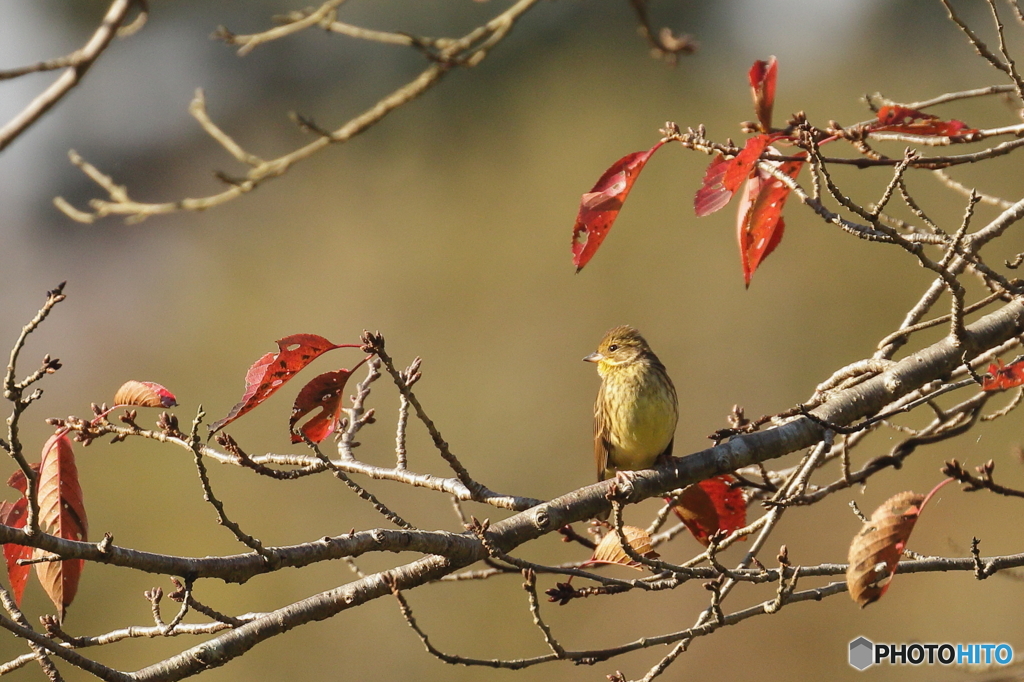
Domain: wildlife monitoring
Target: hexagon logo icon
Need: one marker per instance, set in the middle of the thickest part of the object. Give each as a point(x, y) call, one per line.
point(862, 652)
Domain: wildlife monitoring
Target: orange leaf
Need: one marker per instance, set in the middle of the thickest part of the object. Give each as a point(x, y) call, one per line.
point(324, 393)
point(144, 394)
point(61, 513)
point(609, 550)
point(711, 506)
point(271, 371)
point(760, 225)
point(15, 515)
point(1001, 377)
point(600, 206)
point(914, 122)
point(762, 84)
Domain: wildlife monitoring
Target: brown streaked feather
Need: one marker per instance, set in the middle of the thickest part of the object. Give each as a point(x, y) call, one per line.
point(601, 444)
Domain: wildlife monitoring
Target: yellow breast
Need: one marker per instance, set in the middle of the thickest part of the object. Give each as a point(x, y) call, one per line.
point(643, 416)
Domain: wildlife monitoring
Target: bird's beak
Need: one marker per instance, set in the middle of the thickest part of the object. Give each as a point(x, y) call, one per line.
point(594, 357)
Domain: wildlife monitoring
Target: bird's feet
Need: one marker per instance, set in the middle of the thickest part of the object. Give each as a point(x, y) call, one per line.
point(624, 485)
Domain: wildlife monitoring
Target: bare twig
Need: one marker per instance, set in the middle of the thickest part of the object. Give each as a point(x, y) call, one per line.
point(14, 392)
point(530, 585)
point(360, 491)
point(250, 42)
point(983, 481)
point(40, 653)
point(468, 51)
point(204, 478)
point(663, 42)
point(77, 64)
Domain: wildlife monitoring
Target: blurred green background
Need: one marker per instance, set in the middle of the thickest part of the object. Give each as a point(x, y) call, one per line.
point(447, 228)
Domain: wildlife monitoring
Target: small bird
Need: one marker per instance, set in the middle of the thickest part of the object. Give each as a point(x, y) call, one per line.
point(637, 410)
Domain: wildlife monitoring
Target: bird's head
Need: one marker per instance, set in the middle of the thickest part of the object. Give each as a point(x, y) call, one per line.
point(620, 346)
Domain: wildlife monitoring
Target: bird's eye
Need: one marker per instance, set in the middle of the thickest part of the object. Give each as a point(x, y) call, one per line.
point(614, 347)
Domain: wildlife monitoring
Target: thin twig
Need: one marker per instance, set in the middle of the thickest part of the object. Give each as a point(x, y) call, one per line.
point(13, 391)
point(360, 491)
point(375, 343)
point(250, 42)
point(907, 331)
point(530, 585)
point(663, 42)
point(468, 51)
point(77, 64)
point(1010, 65)
point(204, 478)
point(960, 188)
point(40, 653)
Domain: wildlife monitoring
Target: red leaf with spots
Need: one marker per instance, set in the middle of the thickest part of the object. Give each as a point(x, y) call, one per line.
point(325, 393)
point(711, 506)
point(1001, 377)
point(600, 206)
point(760, 225)
point(273, 370)
point(61, 513)
point(144, 394)
point(762, 84)
point(913, 122)
point(15, 515)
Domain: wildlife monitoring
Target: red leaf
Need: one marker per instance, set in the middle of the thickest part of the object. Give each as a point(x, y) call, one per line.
point(144, 394)
point(760, 225)
point(18, 481)
point(271, 371)
point(724, 176)
point(914, 122)
point(324, 393)
point(762, 84)
point(600, 206)
point(740, 167)
point(1001, 377)
point(711, 506)
point(712, 194)
point(15, 515)
point(61, 513)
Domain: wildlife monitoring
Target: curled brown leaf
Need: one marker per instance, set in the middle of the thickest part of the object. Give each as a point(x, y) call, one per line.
point(877, 548)
point(144, 394)
point(610, 551)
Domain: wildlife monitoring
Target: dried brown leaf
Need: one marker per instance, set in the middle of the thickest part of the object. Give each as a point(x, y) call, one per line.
point(877, 548)
point(61, 513)
point(144, 394)
point(609, 550)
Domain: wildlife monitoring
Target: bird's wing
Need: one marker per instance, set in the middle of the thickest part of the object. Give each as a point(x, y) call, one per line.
point(601, 444)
